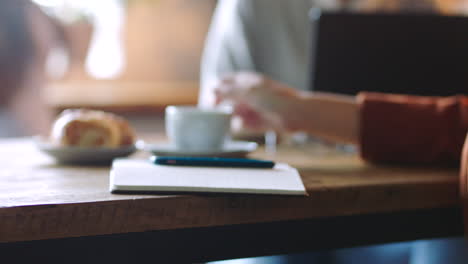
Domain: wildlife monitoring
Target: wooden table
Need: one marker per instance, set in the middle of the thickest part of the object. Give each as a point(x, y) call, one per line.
point(54, 211)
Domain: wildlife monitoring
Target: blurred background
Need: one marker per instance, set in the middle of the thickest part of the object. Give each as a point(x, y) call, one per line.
point(128, 56)
point(133, 53)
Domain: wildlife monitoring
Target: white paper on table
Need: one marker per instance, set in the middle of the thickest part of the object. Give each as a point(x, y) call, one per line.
point(142, 175)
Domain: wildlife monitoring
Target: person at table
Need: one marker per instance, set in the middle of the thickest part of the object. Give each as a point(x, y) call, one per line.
point(272, 37)
point(387, 128)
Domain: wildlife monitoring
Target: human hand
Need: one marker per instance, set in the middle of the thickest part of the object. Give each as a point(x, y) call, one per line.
point(259, 101)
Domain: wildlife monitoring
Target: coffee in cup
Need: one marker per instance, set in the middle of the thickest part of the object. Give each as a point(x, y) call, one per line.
point(197, 130)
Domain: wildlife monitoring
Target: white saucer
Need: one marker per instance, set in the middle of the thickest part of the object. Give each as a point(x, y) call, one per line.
point(230, 149)
point(83, 155)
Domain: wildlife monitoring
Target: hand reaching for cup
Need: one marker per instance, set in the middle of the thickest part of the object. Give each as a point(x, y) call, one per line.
point(264, 105)
point(259, 101)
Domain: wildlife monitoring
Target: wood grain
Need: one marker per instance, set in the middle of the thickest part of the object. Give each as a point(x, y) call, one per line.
point(42, 200)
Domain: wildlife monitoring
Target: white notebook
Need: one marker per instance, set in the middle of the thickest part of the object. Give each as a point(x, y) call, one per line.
point(129, 175)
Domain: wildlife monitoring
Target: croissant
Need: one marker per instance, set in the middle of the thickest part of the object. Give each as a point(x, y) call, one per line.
point(91, 128)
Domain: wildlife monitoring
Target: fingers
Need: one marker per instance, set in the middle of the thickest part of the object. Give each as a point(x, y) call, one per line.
point(225, 89)
point(238, 86)
point(258, 120)
point(254, 98)
point(250, 118)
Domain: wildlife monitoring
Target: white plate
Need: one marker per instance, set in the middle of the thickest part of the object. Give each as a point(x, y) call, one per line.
point(83, 155)
point(230, 149)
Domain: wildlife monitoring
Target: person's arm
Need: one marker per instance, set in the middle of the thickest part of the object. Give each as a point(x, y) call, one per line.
point(390, 127)
point(333, 117)
point(387, 127)
point(412, 129)
point(265, 103)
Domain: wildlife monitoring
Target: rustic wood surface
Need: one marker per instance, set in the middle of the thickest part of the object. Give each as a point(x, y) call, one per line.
point(42, 200)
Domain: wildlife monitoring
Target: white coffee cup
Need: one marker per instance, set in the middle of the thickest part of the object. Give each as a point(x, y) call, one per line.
point(198, 130)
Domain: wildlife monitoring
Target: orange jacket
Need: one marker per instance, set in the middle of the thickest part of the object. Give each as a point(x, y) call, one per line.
point(416, 129)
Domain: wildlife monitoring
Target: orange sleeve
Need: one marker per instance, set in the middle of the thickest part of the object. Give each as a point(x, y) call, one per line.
point(412, 129)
